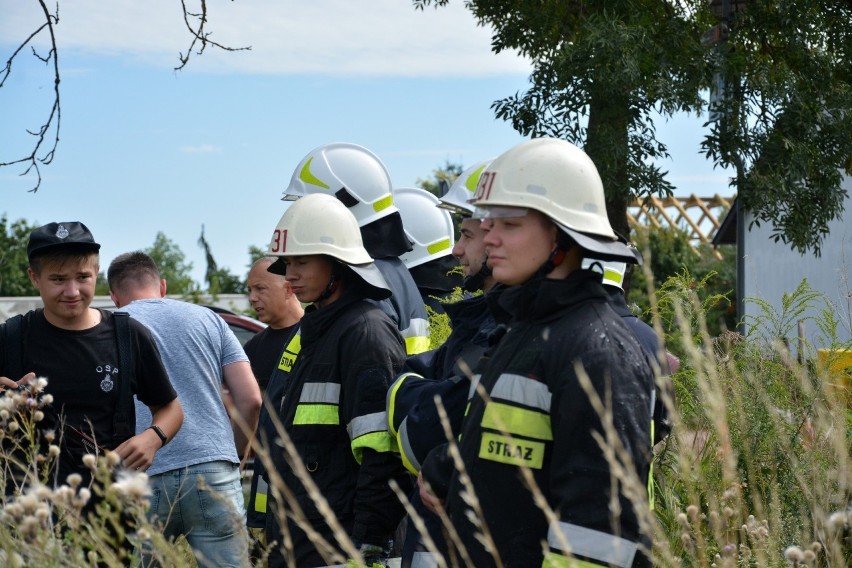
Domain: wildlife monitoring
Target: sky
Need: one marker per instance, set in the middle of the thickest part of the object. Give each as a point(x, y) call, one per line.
point(145, 149)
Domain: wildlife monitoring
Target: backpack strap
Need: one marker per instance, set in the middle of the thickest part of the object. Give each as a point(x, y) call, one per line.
point(14, 346)
point(124, 422)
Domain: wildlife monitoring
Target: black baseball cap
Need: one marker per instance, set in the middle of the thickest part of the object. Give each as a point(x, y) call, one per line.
point(71, 234)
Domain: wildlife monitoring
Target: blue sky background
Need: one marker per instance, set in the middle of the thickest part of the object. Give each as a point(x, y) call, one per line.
point(146, 149)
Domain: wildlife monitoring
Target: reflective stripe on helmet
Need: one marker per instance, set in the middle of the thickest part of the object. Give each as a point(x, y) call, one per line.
point(307, 176)
point(383, 203)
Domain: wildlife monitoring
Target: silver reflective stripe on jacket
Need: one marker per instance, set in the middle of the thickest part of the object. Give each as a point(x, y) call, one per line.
point(597, 546)
point(474, 381)
point(523, 390)
point(328, 393)
point(405, 446)
point(361, 425)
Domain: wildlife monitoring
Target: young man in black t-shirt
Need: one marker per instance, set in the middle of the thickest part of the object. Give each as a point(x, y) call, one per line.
point(75, 348)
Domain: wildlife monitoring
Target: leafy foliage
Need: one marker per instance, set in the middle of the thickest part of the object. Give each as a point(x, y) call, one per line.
point(672, 260)
point(13, 257)
point(757, 460)
point(172, 264)
point(603, 71)
point(786, 124)
point(444, 175)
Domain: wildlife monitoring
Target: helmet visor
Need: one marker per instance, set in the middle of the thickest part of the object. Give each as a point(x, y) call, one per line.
point(499, 212)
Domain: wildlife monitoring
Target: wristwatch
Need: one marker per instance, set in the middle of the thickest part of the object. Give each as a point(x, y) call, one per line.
point(159, 432)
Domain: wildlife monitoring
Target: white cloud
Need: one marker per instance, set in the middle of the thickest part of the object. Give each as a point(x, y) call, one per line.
point(329, 37)
point(201, 149)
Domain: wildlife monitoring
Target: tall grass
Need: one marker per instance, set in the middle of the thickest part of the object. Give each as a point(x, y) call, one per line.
point(755, 473)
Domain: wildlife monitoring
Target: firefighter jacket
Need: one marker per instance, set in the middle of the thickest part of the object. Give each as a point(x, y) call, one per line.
point(444, 372)
point(259, 489)
point(333, 411)
point(405, 306)
point(537, 416)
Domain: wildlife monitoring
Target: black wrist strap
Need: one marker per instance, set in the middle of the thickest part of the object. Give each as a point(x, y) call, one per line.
point(159, 432)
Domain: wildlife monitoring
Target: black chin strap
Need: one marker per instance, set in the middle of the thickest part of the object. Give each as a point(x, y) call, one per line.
point(331, 288)
point(555, 259)
point(476, 281)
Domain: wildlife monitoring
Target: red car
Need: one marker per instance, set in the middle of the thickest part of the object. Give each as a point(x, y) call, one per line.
point(243, 327)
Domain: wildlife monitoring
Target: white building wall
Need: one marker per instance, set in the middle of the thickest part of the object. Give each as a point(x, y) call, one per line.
point(772, 269)
point(10, 306)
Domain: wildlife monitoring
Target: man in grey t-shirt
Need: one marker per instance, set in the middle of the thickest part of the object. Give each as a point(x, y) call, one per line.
point(191, 475)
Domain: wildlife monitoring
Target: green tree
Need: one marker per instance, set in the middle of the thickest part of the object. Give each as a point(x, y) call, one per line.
point(443, 176)
point(173, 266)
point(671, 257)
point(13, 257)
point(256, 253)
point(604, 71)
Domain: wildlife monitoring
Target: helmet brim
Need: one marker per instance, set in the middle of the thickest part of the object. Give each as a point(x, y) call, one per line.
point(278, 267)
point(603, 248)
point(375, 285)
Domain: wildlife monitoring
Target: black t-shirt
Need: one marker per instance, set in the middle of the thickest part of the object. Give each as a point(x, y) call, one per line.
point(264, 350)
point(82, 372)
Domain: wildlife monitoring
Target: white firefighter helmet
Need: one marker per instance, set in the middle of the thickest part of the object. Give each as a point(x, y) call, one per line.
point(557, 179)
point(613, 272)
point(458, 198)
point(320, 224)
point(429, 229)
point(352, 174)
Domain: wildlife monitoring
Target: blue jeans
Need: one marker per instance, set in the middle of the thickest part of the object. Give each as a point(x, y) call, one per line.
point(203, 502)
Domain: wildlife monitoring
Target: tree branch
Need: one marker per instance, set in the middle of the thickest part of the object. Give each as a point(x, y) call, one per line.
point(199, 35)
point(55, 117)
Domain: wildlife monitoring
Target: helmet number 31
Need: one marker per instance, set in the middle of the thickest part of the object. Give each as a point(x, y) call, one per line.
point(483, 189)
point(279, 241)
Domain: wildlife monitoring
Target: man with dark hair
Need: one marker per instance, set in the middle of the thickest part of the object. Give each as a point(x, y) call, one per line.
point(196, 479)
point(78, 349)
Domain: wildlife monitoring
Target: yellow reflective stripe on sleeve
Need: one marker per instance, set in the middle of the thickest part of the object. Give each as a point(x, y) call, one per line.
point(416, 345)
point(593, 545)
point(390, 402)
point(261, 495)
point(517, 421)
point(383, 203)
point(370, 431)
point(511, 451)
point(361, 425)
point(416, 336)
point(552, 560)
point(324, 414)
point(523, 390)
point(378, 441)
